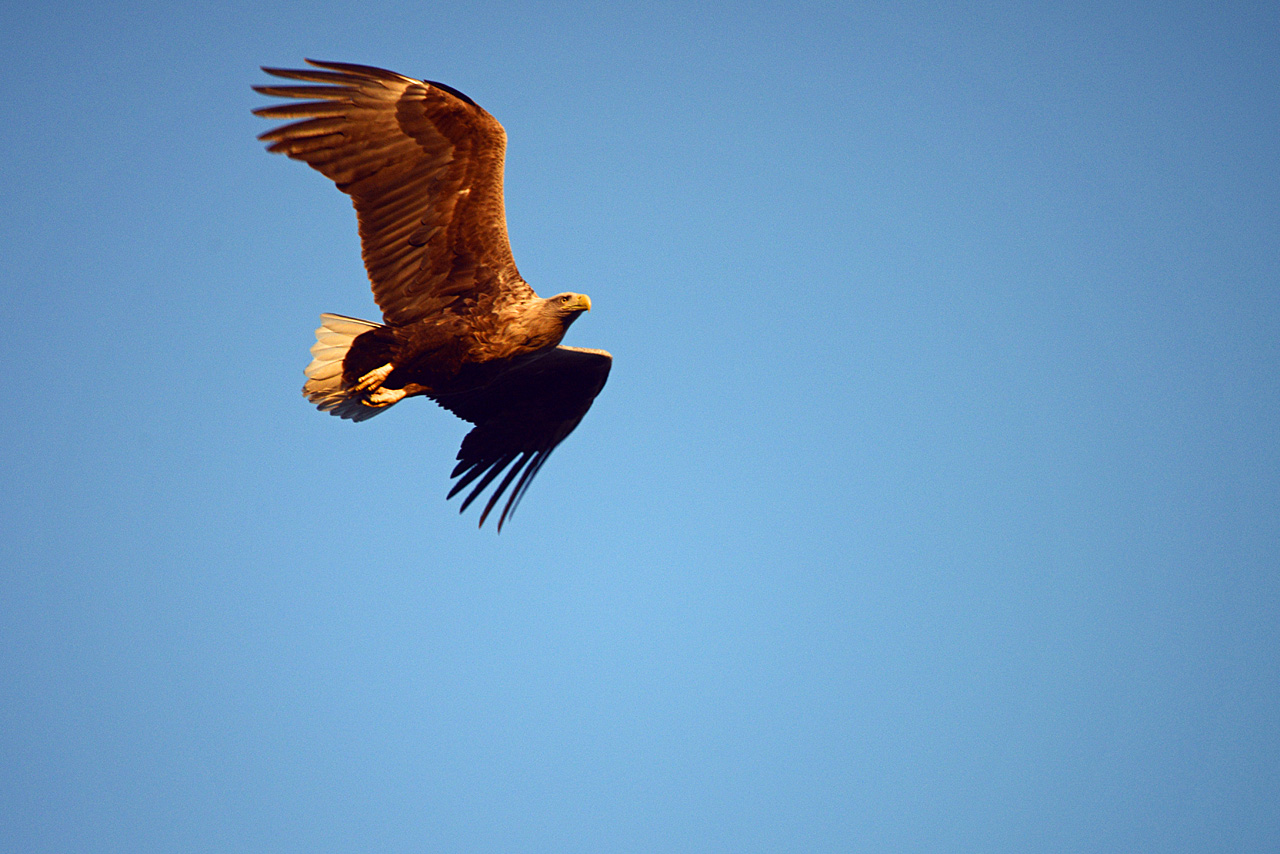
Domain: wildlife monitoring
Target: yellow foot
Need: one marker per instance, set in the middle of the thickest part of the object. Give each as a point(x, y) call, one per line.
point(385, 397)
point(374, 378)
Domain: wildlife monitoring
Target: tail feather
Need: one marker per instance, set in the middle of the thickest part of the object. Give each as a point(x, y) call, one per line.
point(325, 386)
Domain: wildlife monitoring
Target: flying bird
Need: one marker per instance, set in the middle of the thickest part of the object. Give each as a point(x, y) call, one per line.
point(423, 165)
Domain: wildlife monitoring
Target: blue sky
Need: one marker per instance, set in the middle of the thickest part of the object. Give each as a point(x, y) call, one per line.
point(933, 503)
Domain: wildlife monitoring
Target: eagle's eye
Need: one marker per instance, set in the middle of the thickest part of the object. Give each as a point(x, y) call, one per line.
point(565, 298)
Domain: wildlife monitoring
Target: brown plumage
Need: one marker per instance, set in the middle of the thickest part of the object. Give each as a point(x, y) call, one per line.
point(422, 164)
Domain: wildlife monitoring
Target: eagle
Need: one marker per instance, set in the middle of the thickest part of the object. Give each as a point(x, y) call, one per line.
point(423, 166)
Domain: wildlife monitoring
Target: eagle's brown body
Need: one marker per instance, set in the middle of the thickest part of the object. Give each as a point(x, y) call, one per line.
point(423, 164)
point(453, 353)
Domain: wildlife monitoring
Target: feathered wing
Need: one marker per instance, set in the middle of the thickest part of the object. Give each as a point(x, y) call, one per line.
point(423, 166)
point(520, 419)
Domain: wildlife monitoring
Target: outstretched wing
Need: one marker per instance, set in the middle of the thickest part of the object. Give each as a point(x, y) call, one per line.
point(423, 166)
point(520, 418)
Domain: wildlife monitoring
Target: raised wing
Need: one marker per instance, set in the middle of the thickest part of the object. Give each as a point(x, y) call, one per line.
point(520, 418)
point(423, 166)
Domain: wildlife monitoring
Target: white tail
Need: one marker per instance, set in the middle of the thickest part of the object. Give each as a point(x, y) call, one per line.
point(325, 387)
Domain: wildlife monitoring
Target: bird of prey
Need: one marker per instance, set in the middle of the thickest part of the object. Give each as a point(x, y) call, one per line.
point(423, 165)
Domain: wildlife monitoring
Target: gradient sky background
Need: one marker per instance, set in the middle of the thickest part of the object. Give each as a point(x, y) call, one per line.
point(933, 503)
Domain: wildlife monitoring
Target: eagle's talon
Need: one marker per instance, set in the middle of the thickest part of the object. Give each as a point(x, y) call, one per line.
point(385, 397)
point(373, 379)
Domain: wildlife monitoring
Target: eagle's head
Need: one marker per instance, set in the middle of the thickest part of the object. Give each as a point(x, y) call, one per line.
point(543, 322)
point(571, 303)
point(568, 306)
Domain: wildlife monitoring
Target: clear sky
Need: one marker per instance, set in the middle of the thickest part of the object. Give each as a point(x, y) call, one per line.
point(933, 504)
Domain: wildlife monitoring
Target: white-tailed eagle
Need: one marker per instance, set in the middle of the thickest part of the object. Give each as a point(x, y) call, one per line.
point(422, 164)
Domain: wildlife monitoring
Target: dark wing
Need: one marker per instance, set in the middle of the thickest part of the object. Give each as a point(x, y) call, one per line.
point(423, 166)
point(520, 418)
